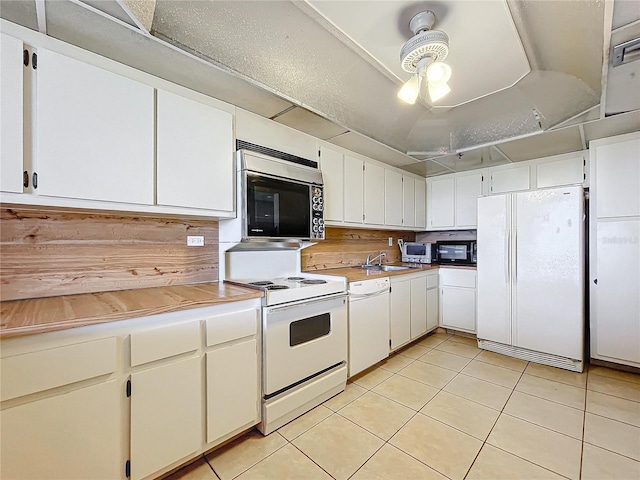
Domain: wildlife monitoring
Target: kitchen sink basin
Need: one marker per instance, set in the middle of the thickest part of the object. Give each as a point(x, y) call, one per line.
point(392, 268)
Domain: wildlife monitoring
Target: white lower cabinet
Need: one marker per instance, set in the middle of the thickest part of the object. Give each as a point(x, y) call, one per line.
point(458, 299)
point(71, 435)
point(126, 399)
point(414, 306)
point(166, 418)
point(232, 388)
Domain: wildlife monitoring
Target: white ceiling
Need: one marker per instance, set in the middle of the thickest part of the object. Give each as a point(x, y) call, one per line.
point(487, 49)
point(286, 61)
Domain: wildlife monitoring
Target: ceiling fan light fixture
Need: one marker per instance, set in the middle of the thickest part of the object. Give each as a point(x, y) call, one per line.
point(437, 91)
point(438, 72)
point(410, 90)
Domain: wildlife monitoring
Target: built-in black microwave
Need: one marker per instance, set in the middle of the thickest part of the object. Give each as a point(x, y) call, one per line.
point(457, 252)
point(281, 200)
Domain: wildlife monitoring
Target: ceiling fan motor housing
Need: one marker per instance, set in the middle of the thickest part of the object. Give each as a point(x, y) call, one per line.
point(429, 43)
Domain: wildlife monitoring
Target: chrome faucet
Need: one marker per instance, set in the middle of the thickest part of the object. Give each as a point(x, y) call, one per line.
point(378, 257)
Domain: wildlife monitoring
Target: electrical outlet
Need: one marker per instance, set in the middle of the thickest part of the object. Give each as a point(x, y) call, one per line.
point(195, 241)
point(391, 241)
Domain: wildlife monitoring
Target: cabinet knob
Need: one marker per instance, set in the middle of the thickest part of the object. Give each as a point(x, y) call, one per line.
point(25, 179)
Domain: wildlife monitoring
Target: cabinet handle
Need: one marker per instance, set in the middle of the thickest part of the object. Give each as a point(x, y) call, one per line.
point(35, 180)
point(25, 179)
point(595, 281)
point(34, 61)
point(25, 57)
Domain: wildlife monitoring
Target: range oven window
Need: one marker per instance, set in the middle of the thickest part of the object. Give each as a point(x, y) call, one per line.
point(277, 208)
point(310, 328)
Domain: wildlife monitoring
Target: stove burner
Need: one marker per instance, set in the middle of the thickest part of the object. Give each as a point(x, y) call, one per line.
point(294, 279)
point(261, 283)
point(313, 282)
point(275, 287)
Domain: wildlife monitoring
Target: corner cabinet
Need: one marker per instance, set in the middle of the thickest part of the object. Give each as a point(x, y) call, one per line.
point(94, 135)
point(458, 299)
point(195, 164)
point(451, 201)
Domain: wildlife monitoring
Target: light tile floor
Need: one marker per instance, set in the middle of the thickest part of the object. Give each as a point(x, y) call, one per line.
point(442, 408)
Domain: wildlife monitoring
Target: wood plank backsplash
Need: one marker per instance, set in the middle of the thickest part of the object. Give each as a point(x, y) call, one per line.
point(345, 247)
point(48, 253)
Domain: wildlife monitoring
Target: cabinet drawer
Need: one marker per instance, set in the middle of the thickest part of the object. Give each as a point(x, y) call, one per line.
point(164, 342)
point(432, 281)
point(453, 280)
point(230, 326)
point(38, 371)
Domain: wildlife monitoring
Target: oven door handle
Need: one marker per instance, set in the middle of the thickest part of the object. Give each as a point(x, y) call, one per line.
point(327, 299)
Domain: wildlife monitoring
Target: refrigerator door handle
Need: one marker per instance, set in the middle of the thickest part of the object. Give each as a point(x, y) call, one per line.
point(515, 255)
point(507, 255)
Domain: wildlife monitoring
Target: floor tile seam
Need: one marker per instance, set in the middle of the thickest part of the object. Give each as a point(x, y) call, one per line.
point(375, 434)
point(365, 462)
point(612, 419)
point(442, 366)
point(428, 384)
point(417, 459)
point(501, 366)
point(393, 400)
point(612, 451)
point(449, 353)
point(307, 429)
point(492, 383)
point(549, 400)
point(557, 381)
point(470, 358)
point(312, 460)
point(542, 426)
point(526, 460)
point(612, 378)
point(616, 396)
point(468, 399)
point(261, 460)
point(584, 426)
point(211, 467)
point(456, 428)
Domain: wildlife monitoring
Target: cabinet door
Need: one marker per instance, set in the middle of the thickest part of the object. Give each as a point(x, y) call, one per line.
point(468, 189)
point(354, 194)
point(458, 308)
point(75, 435)
point(11, 96)
point(94, 133)
point(562, 172)
point(374, 194)
point(441, 206)
point(232, 389)
point(408, 201)
point(617, 171)
point(166, 415)
point(392, 198)
point(421, 203)
point(332, 165)
point(510, 180)
point(400, 313)
point(418, 306)
point(194, 154)
point(432, 308)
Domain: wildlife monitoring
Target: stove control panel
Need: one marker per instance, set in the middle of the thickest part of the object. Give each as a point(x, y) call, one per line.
point(317, 213)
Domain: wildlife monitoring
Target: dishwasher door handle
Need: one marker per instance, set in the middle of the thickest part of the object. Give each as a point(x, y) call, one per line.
point(358, 296)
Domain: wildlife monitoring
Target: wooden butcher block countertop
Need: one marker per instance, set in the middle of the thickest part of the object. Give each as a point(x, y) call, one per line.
point(39, 315)
point(355, 274)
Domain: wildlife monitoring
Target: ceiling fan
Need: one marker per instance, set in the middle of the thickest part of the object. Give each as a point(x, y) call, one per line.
point(423, 56)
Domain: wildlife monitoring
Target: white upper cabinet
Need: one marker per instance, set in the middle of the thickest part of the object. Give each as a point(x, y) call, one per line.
point(510, 179)
point(374, 194)
point(354, 193)
point(421, 202)
point(95, 136)
point(194, 154)
point(468, 189)
point(393, 196)
point(332, 165)
point(409, 201)
point(617, 178)
point(11, 100)
point(569, 171)
point(441, 203)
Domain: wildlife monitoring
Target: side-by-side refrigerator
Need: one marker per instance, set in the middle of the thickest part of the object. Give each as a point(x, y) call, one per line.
point(531, 276)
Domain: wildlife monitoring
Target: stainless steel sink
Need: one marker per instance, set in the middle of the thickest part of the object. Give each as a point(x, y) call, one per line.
point(392, 268)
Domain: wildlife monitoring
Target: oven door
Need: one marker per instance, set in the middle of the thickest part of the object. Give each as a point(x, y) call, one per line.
point(301, 340)
point(276, 208)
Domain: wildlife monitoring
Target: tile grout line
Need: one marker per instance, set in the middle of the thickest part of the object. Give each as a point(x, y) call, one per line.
point(311, 459)
point(211, 467)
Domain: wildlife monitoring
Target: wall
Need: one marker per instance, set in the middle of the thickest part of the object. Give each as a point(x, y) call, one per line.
point(48, 253)
point(345, 247)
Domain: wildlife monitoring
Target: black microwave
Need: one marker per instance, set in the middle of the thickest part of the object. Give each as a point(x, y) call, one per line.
point(457, 252)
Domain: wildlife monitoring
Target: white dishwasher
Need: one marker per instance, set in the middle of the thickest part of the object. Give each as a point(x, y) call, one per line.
point(368, 323)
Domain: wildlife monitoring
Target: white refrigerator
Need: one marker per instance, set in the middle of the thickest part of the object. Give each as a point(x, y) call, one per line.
point(531, 276)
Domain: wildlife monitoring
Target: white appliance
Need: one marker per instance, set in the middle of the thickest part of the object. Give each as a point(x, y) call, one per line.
point(531, 276)
point(417, 252)
point(304, 333)
point(368, 323)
